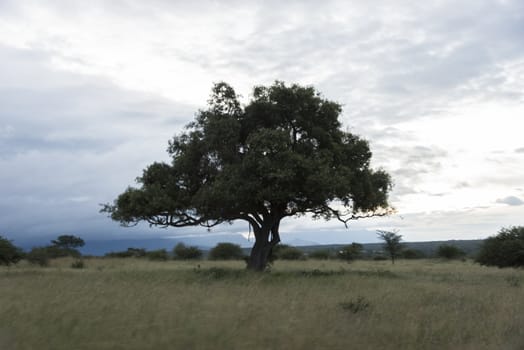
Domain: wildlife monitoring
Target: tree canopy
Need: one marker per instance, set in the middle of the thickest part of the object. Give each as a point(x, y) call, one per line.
point(506, 249)
point(447, 251)
point(283, 154)
point(9, 253)
point(392, 244)
point(68, 242)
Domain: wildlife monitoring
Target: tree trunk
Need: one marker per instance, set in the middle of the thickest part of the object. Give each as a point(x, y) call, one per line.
point(259, 256)
point(261, 251)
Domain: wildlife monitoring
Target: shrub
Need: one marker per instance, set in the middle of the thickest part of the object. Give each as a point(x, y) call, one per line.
point(286, 252)
point(218, 273)
point(320, 254)
point(183, 252)
point(38, 256)
point(129, 253)
point(447, 251)
point(506, 249)
point(350, 252)
point(9, 253)
point(54, 251)
point(513, 281)
point(412, 254)
point(78, 264)
point(380, 258)
point(226, 251)
point(356, 305)
point(157, 255)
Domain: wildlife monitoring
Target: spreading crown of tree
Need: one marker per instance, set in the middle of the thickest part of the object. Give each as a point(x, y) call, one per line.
point(281, 155)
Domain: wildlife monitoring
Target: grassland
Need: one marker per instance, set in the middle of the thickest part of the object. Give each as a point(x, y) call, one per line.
point(138, 304)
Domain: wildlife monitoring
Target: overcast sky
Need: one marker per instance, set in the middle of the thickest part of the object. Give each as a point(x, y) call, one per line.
point(91, 91)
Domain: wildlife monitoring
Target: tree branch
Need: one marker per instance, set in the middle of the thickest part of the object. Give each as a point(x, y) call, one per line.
point(349, 215)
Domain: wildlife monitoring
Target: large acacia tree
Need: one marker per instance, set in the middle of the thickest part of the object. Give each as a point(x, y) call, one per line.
point(281, 155)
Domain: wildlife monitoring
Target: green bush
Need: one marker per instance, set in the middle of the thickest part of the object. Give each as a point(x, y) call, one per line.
point(54, 251)
point(380, 257)
point(356, 305)
point(9, 253)
point(287, 252)
point(350, 252)
point(412, 254)
point(503, 250)
point(78, 264)
point(183, 252)
point(38, 256)
point(320, 254)
point(226, 251)
point(129, 253)
point(157, 255)
point(42, 255)
point(447, 251)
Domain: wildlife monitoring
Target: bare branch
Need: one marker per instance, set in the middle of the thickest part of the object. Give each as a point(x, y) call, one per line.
point(350, 215)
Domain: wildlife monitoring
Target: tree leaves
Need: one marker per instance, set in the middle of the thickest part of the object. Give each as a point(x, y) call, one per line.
point(282, 154)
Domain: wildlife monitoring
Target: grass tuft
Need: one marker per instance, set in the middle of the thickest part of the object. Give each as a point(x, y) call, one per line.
point(357, 305)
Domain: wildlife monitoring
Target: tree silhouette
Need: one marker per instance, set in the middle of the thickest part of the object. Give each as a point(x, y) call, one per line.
point(392, 244)
point(282, 155)
point(68, 242)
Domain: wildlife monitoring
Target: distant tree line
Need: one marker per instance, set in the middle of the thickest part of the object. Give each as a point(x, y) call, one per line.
point(506, 249)
point(64, 245)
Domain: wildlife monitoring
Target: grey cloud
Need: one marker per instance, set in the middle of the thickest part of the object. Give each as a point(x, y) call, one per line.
point(396, 62)
point(402, 187)
point(412, 158)
point(462, 184)
point(511, 200)
point(69, 142)
point(509, 179)
point(425, 154)
point(519, 150)
point(44, 109)
point(408, 165)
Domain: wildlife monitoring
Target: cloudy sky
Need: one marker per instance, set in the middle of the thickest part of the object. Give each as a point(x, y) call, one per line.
point(90, 93)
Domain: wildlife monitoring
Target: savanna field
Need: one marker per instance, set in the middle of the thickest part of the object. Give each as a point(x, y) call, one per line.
point(314, 304)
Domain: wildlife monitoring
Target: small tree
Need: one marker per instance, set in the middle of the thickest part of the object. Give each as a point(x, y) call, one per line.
point(183, 252)
point(38, 256)
point(226, 251)
point(68, 242)
point(350, 252)
point(449, 252)
point(503, 250)
point(9, 253)
point(392, 244)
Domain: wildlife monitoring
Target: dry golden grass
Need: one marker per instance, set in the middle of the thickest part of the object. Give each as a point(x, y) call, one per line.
point(137, 304)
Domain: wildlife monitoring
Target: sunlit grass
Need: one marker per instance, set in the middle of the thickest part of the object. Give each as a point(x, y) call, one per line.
point(139, 304)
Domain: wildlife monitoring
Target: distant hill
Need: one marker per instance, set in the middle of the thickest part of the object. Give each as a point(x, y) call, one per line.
point(470, 247)
point(101, 247)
